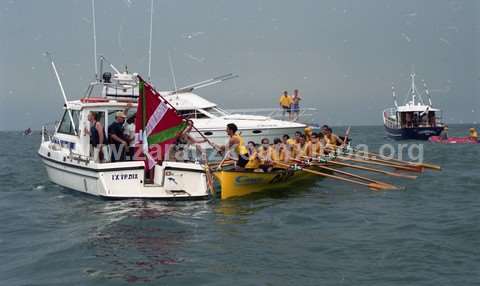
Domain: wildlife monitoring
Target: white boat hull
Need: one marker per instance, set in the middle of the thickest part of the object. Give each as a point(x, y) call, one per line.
point(173, 180)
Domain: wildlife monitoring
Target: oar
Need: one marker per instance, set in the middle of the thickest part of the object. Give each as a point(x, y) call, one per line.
point(372, 170)
point(387, 185)
point(424, 165)
point(404, 168)
point(219, 167)
point(396, 165)
point(372, 186)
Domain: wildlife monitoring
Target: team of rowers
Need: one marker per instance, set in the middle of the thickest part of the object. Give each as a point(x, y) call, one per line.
point(262, 157)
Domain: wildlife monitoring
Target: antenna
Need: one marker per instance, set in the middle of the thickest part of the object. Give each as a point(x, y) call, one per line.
point(150, 43)
point(427, 93)
point(63, 91)
point(172, 71)
point(394, 96)
point(94, 39)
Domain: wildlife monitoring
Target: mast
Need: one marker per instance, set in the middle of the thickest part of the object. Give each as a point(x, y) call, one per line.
point(150, 43)
point(394, 96)
point(427, 93)
point(412, 88)
point(94, 40)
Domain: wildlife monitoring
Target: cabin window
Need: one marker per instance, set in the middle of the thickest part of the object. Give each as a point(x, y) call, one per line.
point(215, 111)
point(65, 126)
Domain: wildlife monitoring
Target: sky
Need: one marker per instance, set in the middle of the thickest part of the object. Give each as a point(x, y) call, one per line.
point(343, 55)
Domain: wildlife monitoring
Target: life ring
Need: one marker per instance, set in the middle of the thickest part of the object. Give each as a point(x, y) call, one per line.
point(93, 99)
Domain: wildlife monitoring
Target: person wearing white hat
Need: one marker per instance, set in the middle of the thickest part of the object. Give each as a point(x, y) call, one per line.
point(118, 142)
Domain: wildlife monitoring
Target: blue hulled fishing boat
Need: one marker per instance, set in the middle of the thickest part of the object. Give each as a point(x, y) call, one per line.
point(416, 119)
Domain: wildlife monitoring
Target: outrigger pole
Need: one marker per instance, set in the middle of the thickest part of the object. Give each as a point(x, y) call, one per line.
point(63, 92)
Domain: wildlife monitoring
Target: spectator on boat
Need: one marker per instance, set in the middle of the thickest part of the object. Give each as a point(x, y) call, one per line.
point(117, 139)
point(97, 137)
point(253, 160)
point(286, 104)
point(183, 142)
point(129, 130)
point(235, 148)
point(265, 154)
point(473, 134)
point(295, 104)
point(331, 139)
point(444, 133)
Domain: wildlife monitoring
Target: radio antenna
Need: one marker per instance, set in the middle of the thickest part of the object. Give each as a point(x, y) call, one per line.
point(150, 43)
point(94, 40)
point(172, 71)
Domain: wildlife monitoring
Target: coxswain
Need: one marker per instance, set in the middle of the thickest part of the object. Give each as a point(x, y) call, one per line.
point(235, 148)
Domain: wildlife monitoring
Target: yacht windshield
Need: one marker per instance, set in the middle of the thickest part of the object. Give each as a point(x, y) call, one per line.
point(217, 112)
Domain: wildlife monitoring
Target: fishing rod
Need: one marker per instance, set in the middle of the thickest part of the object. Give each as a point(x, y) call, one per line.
point(205, 83)
point(62, 91)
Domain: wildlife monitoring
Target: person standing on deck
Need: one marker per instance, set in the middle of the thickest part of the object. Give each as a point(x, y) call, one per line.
point(444, 133)
point(286, 104)
point(97, 137)
point(295, 105)
point(235, 147)
point(130, 136)
point(118, 142)
point(473, 134)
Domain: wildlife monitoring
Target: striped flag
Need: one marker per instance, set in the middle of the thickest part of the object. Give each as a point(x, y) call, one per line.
point(157, 124)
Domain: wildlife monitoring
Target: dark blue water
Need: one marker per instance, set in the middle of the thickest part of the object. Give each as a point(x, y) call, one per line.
point(321, 233)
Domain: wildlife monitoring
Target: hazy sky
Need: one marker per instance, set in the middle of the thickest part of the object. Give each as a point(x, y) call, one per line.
point(343, 55)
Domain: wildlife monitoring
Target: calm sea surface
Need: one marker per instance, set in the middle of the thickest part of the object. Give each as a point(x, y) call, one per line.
point(320, 233)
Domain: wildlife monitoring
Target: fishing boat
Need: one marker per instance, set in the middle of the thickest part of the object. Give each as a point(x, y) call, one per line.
point(416, 119)
point(240, 183)
point(69, 162)
point(453, 140)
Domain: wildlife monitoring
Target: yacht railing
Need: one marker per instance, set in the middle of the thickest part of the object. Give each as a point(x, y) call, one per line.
point(305, 115)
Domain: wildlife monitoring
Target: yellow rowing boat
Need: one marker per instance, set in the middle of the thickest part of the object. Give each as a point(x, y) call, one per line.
point(239, 183)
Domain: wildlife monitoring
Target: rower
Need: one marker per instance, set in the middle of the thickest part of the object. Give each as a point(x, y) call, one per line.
point(316, 148)
point(331, 139)
point(308, 133)
point(301, 148)
point(265, 154)
point(279, 151)
point(473, 134)
point(253, 160)
point(235, 147)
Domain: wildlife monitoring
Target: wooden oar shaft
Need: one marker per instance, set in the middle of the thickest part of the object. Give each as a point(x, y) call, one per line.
point(364, 168)
point(349, 174)
point(380, 164)
point(370, 185)
point(424, 165)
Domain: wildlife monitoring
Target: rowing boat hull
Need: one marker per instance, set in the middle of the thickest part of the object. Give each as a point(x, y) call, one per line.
point(241, 183)
point(453, 140)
